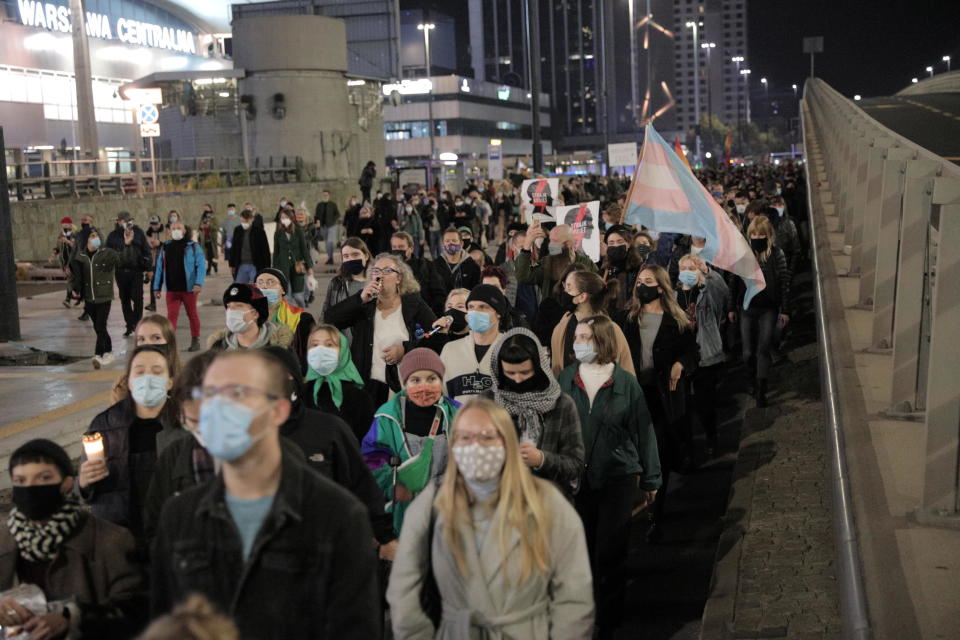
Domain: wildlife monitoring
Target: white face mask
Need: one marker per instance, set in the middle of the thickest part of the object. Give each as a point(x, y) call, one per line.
point(177, 234)
point(235, 321)
point(245, 225)
point(479, 463)
point(695, 250)
point(741, 208)
point(285, 222)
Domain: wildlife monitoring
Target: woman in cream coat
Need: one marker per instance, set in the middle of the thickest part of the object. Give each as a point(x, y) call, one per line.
point(508, 551)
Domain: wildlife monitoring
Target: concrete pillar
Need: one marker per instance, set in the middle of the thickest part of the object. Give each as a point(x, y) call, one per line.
point(940, 492)
point(865, 252)
point(295, 68)
point(86, 120)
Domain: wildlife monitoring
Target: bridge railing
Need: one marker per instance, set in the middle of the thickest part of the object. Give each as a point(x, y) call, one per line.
point(898, 206)
point(50, 179)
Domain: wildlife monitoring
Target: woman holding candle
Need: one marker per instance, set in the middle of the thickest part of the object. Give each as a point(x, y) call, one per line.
point(134, 431)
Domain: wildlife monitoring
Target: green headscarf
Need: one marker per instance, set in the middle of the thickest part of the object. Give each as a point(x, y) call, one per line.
point(345, 370)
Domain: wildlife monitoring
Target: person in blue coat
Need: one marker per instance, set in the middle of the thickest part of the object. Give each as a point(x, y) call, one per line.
point(182, 268)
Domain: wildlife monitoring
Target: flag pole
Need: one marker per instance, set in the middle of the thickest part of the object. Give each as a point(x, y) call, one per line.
point(633, 182)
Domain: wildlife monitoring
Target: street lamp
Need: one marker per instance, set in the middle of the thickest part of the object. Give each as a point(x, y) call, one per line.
point(794, 90)
point(746, 82)
point(947, 60)
point(857, 98)
point(634, 98)
point(427, 27)
point(914, 80)
point(930, 71)
point(766, 91)
point(709, 46)
point(692, 24)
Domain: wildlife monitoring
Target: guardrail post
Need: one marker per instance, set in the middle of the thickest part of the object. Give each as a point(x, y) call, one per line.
point(865, 252)
point(858, 198)
point(888, 245)
point(941, 495)
point(908, 305)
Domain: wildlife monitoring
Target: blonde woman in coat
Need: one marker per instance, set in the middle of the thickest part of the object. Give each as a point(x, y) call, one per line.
point(508, 550)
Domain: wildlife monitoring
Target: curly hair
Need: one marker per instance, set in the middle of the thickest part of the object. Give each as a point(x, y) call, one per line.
point(408, 281)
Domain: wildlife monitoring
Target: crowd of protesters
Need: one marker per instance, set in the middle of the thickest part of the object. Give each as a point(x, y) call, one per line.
point(454, 446)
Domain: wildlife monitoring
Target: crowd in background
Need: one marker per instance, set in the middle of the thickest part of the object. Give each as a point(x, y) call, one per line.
point(454, 444)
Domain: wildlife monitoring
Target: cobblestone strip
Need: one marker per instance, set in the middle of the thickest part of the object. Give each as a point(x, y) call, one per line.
point(775, 573)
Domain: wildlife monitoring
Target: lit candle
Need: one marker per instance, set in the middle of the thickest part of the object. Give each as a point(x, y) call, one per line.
point(93, 446)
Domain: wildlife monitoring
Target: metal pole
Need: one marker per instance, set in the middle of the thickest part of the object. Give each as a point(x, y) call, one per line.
point(601, 12)
point(426, 42)
point(696, 90)
point(811, 64)
point(533, 61)
point(9, 313)
point(89, 146)
point(153, 166)
point(634, 97)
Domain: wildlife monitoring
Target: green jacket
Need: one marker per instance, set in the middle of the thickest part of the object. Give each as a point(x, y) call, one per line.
point(287, 251)
point(386, 440)
point(92, 276)
point(529, 272)
point(618, 435)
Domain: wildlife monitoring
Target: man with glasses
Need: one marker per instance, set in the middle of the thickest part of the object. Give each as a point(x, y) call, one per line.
point(266, 525)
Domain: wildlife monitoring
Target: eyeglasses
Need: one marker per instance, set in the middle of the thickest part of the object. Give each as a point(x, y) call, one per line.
point(268, 284)
point(383, 272)
point(235, 392)
point(485, 438)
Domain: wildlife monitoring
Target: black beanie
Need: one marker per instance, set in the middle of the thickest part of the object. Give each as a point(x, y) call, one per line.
point(492, 296)
point(47, 449)
point(250, 294)
point(276, 273)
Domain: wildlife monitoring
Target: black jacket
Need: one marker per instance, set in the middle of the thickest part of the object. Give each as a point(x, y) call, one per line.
point(776, 295)
point(431, 286)
point(356, 409)
point(259, 247)
point(332, 451)
point(467, 276)
point(142, 259)
point(327, 214)
point(356, 315)
point(112, 497)
point(671, 345)
point(312, 572)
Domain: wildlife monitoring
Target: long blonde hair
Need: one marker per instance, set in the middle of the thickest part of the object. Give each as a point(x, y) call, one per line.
point(521, 503)
point(668, 300)
point(761, 226)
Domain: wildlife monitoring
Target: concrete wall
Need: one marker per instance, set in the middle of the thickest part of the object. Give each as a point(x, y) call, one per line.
point(36, 223)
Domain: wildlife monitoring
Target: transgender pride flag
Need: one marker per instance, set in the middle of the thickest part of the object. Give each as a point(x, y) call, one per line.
point(665, 196)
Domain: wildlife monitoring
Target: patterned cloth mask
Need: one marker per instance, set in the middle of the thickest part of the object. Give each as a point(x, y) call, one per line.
point(478, 462)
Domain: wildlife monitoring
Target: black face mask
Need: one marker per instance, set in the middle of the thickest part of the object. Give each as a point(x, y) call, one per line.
point(38, 502)
point(85, 225)
point(617, 255)
point(647, 293)
point(643, 251)
point(459, 319)
point(759, 245)
point(566, 302)
point(400, 253)
point(536, 382)
point(353, 267)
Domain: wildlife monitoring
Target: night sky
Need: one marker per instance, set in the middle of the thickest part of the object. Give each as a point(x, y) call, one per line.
point(871, 48)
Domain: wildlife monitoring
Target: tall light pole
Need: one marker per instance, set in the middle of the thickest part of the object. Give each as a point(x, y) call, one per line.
point(709, 46)
point(930, 71)
point(531, 14)
point(427, 27)
point(746, 83)
point(693, 24)
point(794, 91)
point(947, 60)
point(634, 96)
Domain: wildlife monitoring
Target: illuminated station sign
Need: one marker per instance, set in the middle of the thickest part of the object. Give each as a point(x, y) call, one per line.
point(56, 17)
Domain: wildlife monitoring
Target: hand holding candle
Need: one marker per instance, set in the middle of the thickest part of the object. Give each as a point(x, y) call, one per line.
point(93, 446)
point(94, 468)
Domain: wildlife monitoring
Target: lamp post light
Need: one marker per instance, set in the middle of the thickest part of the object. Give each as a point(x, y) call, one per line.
point(914, 80)
point(930, 71)
point(634, 97)
point(693, 24)
point(947, 60)
point(746, 82)
point(427, 27)
point(794, 90)
point(709, 46)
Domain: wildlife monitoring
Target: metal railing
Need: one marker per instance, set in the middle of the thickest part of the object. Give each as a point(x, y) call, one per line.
point(898, 207)
point(51, 179)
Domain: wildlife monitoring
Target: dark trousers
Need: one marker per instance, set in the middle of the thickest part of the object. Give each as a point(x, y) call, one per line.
point(756, 334)
point(365, 194)
point(99, 312)
point(130, 286)
point(705, 381)
point(606, 522)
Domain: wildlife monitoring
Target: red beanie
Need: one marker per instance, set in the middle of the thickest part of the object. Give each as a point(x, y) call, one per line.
point(66, 221)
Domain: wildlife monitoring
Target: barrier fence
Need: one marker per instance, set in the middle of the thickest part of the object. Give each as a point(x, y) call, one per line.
point(898, 207)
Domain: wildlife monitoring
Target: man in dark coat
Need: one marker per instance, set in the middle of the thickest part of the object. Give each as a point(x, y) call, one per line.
point(129, 276)
point(249, 251)
point(267, 524)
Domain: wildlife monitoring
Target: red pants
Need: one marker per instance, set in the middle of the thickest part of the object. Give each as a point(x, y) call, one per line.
point(189, 300)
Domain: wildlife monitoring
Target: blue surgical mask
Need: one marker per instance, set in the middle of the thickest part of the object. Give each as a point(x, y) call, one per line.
point(688, 278)
point(149, 391)
point(479, 321)
point(584, 353)
point(272, 296)
point(225, 428)
point(323, 360)
point(95, 242)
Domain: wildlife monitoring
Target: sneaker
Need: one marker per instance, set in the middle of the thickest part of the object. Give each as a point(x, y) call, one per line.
point(66, 303)
point(128, 333)
point(97, 363)
point(151, 307)
point(107, 359)
point(83, 317)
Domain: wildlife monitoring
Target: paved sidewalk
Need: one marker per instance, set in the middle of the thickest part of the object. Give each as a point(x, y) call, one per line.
point(775, 570)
